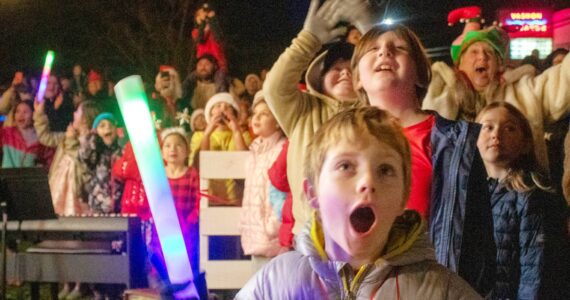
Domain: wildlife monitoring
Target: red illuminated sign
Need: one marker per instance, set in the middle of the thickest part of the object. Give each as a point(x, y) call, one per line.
point(530, 23)
point(534, 28)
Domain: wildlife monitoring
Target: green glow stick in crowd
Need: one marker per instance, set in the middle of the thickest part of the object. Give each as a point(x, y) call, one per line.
point(45, 75)
point(134, 108)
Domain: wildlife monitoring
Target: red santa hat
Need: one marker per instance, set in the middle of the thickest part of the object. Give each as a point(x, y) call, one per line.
point(163, 68)
point(217, 98)
point(93, 76)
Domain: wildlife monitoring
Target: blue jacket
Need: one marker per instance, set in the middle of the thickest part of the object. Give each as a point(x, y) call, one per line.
point(519, 236)
point(461, 224)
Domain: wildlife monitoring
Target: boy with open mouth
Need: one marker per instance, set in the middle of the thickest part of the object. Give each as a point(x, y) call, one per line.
point(361, 242)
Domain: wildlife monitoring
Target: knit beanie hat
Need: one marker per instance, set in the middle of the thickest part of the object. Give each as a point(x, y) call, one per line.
point(340, 50)
point(193, 117)
point(218, 98)
point(93, 76)
point(104, 116)
point(257, 98)
point(494, 36)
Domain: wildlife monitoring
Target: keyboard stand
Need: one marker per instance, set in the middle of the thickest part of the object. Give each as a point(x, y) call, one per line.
point(88, 257)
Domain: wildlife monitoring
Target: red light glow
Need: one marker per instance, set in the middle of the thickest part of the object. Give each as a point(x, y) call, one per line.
point(534, 28)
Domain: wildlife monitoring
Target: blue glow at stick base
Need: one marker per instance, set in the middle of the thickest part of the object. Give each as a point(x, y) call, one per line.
point(134, 108)
point(45, 75)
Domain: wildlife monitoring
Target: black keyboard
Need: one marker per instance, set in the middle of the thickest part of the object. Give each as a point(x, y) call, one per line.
point(95, 249)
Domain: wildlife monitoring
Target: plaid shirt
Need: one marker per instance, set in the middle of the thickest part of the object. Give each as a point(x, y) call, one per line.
point(185, 192)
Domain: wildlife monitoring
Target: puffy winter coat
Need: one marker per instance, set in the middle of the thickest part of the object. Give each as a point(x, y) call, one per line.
point(260, 220)
point(406, 271)
point(278, 178)
point(532, 249)
point(133, 200)
point(17, 154)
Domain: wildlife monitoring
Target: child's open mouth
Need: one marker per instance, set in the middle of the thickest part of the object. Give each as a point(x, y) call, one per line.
point(480, 69)
point(362, 219)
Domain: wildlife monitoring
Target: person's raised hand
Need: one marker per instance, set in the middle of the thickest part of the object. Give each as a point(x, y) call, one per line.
point(231, 120)
point(70, 132)
point(58, 101)
point(84, 130)
point(361, 13)
point(18, 78)
point(39, 106)
point(321, 21)
point(213, 124)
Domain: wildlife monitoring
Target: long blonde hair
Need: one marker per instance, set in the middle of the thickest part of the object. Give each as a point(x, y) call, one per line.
point(524, 174)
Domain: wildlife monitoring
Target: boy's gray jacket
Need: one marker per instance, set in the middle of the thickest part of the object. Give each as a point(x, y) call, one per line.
point(406, 271)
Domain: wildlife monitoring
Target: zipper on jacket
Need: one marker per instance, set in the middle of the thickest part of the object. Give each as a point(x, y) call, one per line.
point(350, 288)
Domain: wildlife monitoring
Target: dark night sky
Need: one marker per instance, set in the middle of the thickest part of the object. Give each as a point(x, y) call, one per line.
point(256, 31)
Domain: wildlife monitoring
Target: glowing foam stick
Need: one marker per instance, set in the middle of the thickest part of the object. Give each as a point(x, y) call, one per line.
point(134, 108)
point(45, 76)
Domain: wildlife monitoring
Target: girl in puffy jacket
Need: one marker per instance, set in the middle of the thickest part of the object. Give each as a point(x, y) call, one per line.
point(261, 213)
point(521, 204)
point(19, 142)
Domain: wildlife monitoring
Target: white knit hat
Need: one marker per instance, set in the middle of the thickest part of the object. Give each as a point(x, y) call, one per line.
point(257, 98)
point(218, 98)
point(193, 117)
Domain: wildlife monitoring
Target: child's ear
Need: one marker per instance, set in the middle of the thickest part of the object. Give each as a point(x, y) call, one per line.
point(310, 193)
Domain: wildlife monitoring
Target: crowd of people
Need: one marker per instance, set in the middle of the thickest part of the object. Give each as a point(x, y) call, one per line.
point(382, 175)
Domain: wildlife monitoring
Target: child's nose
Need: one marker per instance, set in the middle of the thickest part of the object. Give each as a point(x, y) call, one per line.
point(367, 189)
point(366, 184)
point(384, 51)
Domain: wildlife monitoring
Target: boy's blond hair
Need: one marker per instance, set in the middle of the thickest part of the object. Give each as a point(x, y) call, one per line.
point(358, 126)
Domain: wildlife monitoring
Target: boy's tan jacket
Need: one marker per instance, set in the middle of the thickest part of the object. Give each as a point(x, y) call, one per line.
point(542, 99)
point(300, 114)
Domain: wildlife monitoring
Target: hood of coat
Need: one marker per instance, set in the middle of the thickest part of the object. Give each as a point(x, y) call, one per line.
point(314, 79)
point(408, 243)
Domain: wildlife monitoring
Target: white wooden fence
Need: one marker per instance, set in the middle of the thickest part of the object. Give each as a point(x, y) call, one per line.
point(221, 220)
